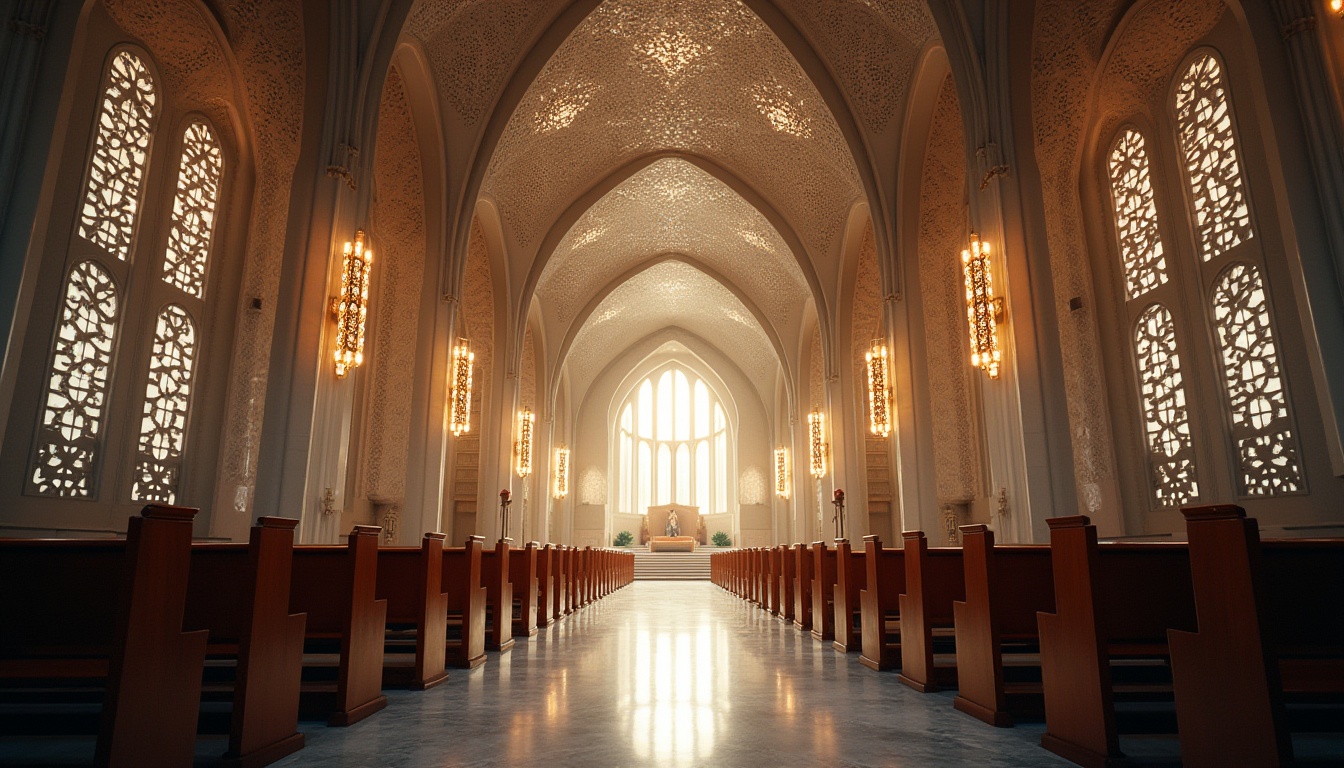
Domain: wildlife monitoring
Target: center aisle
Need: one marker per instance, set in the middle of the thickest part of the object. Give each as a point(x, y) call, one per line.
point(671, 674)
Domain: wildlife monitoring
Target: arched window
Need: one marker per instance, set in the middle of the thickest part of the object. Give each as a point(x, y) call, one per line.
point(1204, 125)
point(193, 225)
point(163, 423)
point(673, 447)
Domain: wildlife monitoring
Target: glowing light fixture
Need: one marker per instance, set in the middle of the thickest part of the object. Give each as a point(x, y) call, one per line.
point(1337, 6)
point(460, 408)
point(782, 472)
point(816, 442)
point(879, 391)
point(983, 309)
point(525, 420)
point(561, 473)
point(352, 305)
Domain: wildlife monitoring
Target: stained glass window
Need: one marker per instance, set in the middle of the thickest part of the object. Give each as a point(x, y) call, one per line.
point(163, 422)
point(1261, 430)
point(120, 149)
point(1204, 123)
point(1136, 216)
point(1166, 422)
point(68, 441)
point(193, 210)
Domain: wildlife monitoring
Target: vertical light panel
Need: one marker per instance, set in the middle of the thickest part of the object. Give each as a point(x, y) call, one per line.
point(460, 410)
point(561, 473)
point(782, 473)
point(525, 422)
point(879, 391)
point(981, 309)
point(816, 442)
point(352, 309)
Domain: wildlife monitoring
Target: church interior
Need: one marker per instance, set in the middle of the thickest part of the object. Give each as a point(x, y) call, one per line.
point(672, 382)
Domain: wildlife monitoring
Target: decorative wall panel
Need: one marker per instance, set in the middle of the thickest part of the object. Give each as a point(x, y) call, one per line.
point(193, 222)
point(116, 170)
point(1145, 263)
point(1171, 454)
point(163, 423)
point(1222, 217)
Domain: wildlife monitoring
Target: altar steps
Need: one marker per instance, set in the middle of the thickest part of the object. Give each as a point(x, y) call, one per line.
point(672, 566)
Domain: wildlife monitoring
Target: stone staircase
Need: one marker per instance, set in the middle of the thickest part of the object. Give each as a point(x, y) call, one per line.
point(672, 566)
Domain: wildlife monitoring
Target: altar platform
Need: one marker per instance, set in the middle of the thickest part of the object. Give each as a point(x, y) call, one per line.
point(672, 544)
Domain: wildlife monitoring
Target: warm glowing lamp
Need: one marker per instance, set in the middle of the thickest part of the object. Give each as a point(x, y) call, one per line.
point(561, 473)
point(983, 309)
point(816, 439)
point(879, 391)
point(782, 472)
point(525, 420)
point(352, 305)
point(460, 410)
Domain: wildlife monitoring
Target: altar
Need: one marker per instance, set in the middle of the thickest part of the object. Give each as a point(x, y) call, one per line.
point(654, 528)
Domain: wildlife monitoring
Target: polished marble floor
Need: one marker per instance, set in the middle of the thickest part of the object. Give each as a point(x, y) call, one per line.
point(671, 674)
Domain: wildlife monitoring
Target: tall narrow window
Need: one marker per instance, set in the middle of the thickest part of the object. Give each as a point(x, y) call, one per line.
point(163, 422)
point(1204, 123)
point(68, 441)
point(1136, 216)
point(1261, 429)
point(120, 148)
point(1166, 422)
point(193, 210)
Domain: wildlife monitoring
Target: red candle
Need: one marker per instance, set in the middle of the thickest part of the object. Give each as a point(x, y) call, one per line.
point(504, 495)
point(839, 495)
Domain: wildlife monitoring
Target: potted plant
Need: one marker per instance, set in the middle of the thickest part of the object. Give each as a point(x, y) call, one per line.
point(623, 539)
point(721, 539)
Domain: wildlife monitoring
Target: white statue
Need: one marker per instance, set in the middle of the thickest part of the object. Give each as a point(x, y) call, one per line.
point(673, 527)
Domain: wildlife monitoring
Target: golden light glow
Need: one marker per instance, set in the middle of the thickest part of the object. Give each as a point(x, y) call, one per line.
point(561, 473)
point(982, 308)
point(782, 472)
point(1337, 6)
point(460, 409)
point(352, 305)
point(879, 391)
point(525, 420)
point(816, 442)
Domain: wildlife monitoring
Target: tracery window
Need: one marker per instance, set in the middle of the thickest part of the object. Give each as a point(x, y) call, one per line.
point(193, 210)
point(1166, 423)
point(1204, 123)
point(67, 450)
point(1141, 252)
point(163, 423)
point(672, 437)
point(1261, 428)
point(120, 151)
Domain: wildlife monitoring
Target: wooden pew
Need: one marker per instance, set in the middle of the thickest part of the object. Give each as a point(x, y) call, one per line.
point(410, 580)
point(559, 583)
point(823, 591)
point(498, 598)
point(1113, 607)
point(465, 636)
point(1271, 628)
point(335, 585)
point(788, 567)
point(802, 587)
point(524, 585)
point(1006, 586)
point(880, 605)
point(934, 579)
point(851, 574)
point(239, 593)
point(110, 611)
point(545, 586)
point(772, 579)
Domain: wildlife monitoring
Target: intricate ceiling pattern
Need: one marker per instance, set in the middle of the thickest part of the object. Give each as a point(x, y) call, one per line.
point(672, 206)
point(686, 298)
point(701, 76)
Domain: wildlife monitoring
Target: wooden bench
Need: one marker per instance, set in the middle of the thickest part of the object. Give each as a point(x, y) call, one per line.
point(239, 593)
point(879, 602)
point(1270, 630)
point(465, 635)
point(823, 592)
point(110, 612)
point(1107, 638)
point(498, 598)
point(336, 585)
point(788, 569)
point(545, 586)
point(802, 587)
point(851, 574)
point(410, 580)
point(775, 563)
point(559, 583)
point(998, 644)
point(934, 579)
point(524, 586)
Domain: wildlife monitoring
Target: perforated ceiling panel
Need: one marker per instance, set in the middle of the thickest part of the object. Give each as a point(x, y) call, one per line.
point(672, 294)
point(673, 206)
point(703, 76)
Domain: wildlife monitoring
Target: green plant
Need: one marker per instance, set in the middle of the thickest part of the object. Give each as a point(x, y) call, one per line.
point(721, 539)
point(623, 539)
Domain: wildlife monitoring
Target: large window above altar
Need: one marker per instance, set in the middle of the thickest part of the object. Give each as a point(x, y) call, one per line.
point(672, 445)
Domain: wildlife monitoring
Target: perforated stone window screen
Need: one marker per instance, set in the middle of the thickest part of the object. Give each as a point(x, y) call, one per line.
point(1141, 252)
point(193, 224)
point(1166, 421)
point(163, 423)
point(1213, 170)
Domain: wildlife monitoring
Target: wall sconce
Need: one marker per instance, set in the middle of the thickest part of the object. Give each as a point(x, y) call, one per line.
point(525, 419)
point(561, 473)
point(879, 391)
point(816, 440)
point(1338, 7)
point(460, 411)
point(782, 473)
point(984, 310)
point(352, 305)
